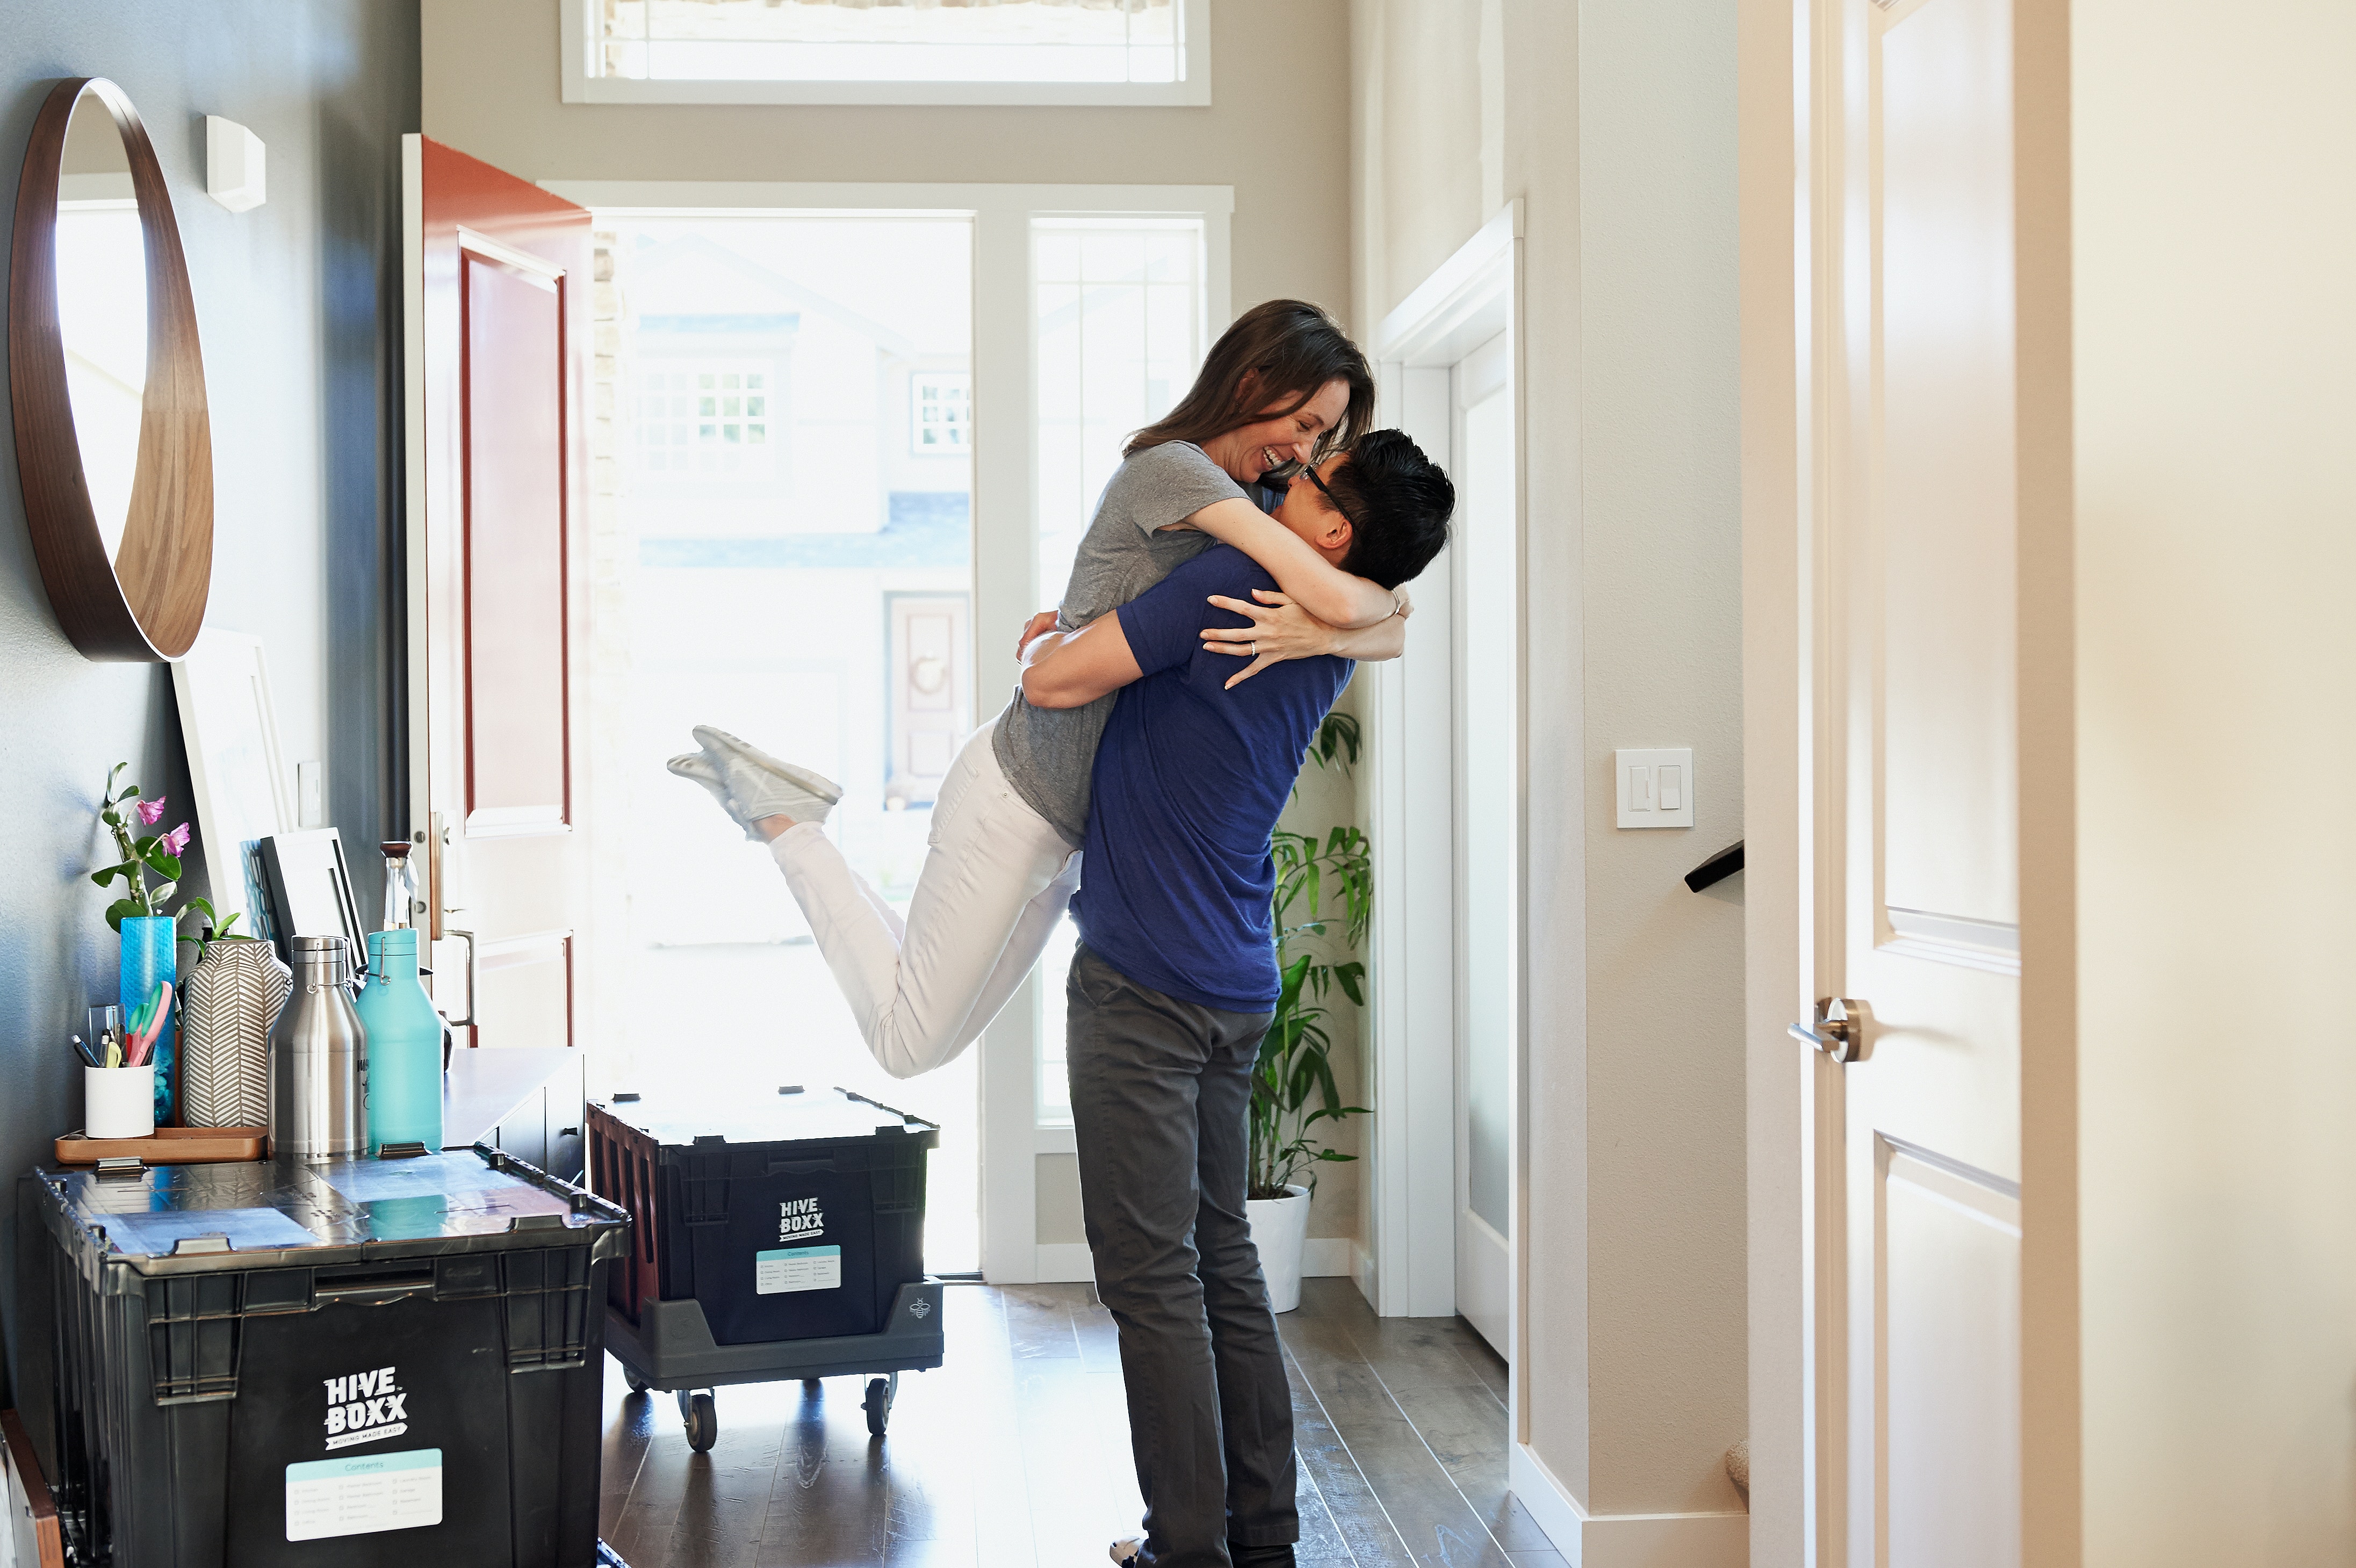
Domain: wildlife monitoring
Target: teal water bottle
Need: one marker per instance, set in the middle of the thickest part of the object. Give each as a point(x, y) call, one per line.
point(405, 1047)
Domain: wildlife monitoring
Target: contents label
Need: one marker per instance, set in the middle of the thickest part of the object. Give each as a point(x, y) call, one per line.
point(363, 1494)
point(797, 1268)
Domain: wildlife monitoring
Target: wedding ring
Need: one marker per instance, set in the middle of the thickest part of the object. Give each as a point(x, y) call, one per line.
point(1255, 648)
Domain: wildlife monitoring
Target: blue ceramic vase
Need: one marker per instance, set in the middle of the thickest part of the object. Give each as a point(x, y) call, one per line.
point(150, 957)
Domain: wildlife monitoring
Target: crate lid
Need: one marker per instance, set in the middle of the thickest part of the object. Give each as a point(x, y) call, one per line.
point(285, 1205)
point(792, 1115)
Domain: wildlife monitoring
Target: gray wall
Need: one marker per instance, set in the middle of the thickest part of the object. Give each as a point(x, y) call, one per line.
point(298, 304)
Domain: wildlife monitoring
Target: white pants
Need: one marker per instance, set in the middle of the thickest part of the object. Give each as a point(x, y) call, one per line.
point(996, 879)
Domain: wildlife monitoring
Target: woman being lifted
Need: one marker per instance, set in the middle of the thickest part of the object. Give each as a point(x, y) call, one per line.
point(1283, 389)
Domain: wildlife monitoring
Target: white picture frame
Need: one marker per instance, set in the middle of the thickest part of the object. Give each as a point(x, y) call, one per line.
point(310, 888)
point(231, 727)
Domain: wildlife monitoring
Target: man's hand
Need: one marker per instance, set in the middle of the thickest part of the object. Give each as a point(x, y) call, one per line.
point(1037, 626)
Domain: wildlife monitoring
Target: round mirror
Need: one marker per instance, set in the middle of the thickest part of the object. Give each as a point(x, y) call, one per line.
point(113, 444)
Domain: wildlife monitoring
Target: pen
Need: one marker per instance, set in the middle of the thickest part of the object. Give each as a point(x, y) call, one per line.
point(84, 1050)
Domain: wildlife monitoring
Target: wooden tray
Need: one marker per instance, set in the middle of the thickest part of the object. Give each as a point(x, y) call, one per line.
point(170, 1145)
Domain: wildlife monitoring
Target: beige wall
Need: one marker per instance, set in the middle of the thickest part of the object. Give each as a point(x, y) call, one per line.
point(1275, 130)
point(2214, 209)
point(1613, 121)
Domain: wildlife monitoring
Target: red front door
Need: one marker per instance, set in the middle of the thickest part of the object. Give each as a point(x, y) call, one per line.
point(498, 277)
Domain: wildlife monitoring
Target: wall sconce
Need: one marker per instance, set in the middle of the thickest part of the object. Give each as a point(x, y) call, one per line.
point(233, 165)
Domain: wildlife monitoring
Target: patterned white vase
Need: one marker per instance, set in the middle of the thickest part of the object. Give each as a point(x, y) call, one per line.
point(233, 998)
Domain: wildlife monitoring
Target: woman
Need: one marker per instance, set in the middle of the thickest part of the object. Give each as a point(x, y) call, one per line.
point(1282, 387)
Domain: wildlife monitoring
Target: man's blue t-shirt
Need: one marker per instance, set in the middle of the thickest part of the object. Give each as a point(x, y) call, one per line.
point(1175, 882)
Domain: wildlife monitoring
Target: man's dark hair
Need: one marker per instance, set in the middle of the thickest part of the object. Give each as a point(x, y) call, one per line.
point(1278, 355)
point(1399, 502)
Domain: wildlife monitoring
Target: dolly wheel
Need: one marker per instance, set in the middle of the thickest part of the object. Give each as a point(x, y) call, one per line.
point(881, 1393)
point(703, 1420)
point(638, 1384)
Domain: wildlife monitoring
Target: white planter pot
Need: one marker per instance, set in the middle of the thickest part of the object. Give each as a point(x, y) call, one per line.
point(1279, 1226)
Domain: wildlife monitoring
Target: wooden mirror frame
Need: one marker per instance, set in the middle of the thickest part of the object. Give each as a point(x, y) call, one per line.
point(147, 603)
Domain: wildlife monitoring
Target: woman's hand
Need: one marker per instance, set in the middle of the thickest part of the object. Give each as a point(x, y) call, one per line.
point(1036, 627)
point(1280, 630)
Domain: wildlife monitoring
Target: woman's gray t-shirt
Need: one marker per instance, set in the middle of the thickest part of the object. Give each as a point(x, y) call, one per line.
point(1047, 753)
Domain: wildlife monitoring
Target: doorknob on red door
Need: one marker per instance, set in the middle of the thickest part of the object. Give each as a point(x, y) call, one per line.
point(1840, 1030)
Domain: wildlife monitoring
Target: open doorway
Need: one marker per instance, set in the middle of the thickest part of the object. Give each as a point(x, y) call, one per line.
point(1449, 747)
point(785, 551)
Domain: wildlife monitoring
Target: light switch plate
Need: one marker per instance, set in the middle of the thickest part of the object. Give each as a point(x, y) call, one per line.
point(1654, 786)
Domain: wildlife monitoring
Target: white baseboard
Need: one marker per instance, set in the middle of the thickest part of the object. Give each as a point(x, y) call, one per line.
point(1065, 1262)
point(1362, 1270)
point(1322, 1257)
point(1624, 1539)
point(1326, 1257)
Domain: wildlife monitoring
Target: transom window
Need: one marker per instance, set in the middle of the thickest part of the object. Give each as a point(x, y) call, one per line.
point(1011, 51)
point(704, 418)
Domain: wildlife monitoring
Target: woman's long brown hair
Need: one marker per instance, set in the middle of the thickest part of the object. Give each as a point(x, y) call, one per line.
point(1277, 354)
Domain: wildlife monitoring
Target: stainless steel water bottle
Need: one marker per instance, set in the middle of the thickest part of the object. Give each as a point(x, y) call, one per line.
point(318, 1057)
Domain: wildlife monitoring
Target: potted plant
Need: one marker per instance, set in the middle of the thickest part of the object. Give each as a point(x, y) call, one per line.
point(1292, 1081)
point(150, 936)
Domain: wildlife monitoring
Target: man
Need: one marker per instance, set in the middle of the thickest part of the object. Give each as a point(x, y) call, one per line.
point(1174, 986)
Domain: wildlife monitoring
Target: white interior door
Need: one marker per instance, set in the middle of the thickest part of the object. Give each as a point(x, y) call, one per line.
point(1916, 910)
point(1487, 625)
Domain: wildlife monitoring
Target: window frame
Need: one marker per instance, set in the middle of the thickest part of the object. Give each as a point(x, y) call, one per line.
point(583, 83)
point(1005, 556)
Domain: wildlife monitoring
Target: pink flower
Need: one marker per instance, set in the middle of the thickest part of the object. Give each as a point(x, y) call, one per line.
point(151, 812)
point(176, 842)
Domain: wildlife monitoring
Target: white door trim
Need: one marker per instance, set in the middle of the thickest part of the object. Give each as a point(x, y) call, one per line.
point(1005, 556)
point(1469, 299)
point(1777, 171)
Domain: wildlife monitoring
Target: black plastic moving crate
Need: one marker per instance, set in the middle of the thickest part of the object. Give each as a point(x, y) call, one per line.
point(349, 1360)
point(794, 1219)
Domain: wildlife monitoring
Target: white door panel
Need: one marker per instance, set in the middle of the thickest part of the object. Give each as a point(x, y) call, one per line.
point(1917, 781)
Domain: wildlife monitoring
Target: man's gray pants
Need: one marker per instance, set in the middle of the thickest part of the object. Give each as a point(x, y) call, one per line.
point(1161, 1095)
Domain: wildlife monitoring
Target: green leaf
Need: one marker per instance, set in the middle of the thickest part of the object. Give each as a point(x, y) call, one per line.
point(119, 909)
point(108, 875)
point(161, 861)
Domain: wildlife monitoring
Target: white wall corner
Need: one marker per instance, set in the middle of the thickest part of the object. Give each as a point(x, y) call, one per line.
point(1624, 1539)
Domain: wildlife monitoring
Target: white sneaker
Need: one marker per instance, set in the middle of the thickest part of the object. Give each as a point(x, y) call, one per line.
point(699, 767)
point(1128, 1550)
point(760, 785)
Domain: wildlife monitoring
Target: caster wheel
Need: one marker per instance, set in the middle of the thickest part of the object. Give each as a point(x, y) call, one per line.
point(880, 1391)
point(703, 1420)
point(638, 1384)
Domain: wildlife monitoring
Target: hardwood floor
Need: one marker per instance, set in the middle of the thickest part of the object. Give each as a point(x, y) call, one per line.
point(1015, 1452)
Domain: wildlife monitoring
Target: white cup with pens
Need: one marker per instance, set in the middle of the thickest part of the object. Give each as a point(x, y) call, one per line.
point(118, 1074)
